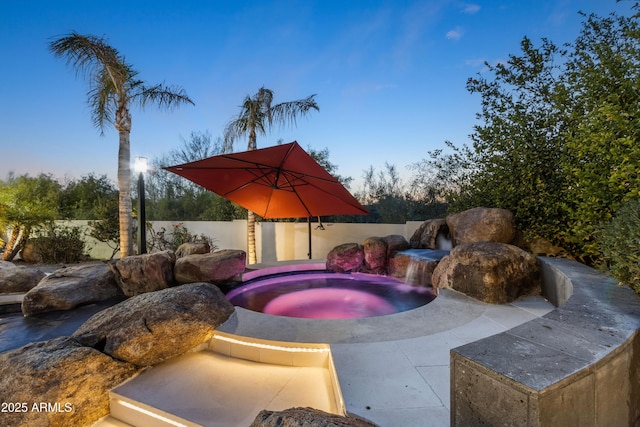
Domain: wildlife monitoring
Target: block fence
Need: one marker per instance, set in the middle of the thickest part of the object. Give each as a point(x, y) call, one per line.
point(275, 241)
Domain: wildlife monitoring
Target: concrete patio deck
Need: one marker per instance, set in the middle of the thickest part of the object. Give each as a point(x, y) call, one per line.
point(392, 370)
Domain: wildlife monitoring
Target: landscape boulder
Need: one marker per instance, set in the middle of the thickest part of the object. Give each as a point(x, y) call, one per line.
point(152, 327)
point(70, 287)
point(481, 225)
point(70, 380)
point(191, 248)
point(496, 273)
point(345, 258)
point(395, 243)
point(4, 265)
point(307, 417)
point(375, 255)
point(425, 237)
point(139, 274)
point(18, 279)
point(216, 267)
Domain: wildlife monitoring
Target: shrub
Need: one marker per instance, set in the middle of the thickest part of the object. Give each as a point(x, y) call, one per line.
point(161, 240)
point(619, 240)
point(107, 228)
point(59, 244)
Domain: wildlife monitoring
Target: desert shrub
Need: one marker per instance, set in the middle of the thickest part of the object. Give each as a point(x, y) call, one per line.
point(59, 244)
point(162, 240)
point(619, 240)
point(106, 229)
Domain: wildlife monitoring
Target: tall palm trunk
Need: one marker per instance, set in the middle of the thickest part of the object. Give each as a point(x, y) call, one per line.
point(251, 237)
point(123, 125)
point(251, 217)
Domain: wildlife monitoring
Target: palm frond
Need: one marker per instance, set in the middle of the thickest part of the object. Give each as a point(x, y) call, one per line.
point(286, 113)
point(257, 115)
point(234, 130)
point(102, 100)
point(89, 54)
point(163, 96)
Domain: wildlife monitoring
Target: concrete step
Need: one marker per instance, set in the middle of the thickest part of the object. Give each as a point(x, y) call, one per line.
point(229, 383)
point(110, 421)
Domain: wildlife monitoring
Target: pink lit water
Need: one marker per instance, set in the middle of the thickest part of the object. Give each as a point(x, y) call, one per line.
point(329, 295)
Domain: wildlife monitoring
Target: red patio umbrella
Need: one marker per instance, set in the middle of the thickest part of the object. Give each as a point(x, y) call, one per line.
point(283, 181)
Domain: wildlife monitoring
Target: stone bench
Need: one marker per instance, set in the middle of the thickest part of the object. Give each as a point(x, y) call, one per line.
point(578, 365)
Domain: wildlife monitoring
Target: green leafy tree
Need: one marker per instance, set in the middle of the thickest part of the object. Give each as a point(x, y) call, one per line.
point(26, 203)
point(257, 116)
point(619, 240)
point(515, 161)
point(557, 143)
point(106, 228)
point(83, 198)
point(383, 194)
point(603, 155)
point(114, 88)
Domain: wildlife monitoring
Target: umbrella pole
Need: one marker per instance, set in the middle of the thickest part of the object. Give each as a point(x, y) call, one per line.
point(309, 226)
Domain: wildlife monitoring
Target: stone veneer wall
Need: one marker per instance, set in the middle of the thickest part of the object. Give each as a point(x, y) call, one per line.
point(578, 365)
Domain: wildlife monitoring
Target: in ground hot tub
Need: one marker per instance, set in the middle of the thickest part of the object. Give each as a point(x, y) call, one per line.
point(325, 295)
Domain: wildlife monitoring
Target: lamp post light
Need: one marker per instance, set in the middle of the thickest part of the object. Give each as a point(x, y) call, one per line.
point(140, 166)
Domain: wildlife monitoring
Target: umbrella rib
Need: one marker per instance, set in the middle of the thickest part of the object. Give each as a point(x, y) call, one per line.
point(260, 179)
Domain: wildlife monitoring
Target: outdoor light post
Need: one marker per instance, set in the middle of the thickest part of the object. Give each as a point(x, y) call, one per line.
point(140, 166)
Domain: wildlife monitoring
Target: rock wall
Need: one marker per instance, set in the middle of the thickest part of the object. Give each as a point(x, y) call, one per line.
point(158, 321)
point(482, 263)
point(77, 372)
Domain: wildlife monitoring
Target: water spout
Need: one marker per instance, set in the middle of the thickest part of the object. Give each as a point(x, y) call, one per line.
point(443, 242)
point(421, 265)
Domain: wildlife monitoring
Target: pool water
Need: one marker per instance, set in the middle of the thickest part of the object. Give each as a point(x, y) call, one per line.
point(329, 295)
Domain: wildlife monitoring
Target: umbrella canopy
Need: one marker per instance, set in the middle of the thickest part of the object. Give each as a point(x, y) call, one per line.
point(283, 181)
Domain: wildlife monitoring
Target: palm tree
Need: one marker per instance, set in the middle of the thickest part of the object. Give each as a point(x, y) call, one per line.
point(257, 115)
point(113, 88)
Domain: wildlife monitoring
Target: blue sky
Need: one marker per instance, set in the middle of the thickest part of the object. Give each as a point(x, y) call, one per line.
point(389, 75)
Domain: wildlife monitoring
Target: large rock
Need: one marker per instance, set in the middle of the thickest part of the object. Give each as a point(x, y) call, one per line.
point(191, 248)
point(216, 267)
point(18, 279)
point(425, 237)
point(495, 273)
point(72, 383)
point(395, 243)
point(7, 265)
point(70, 287)
point(375, 255)
point(153, 327)
point(307, 417)
point(140, 274)
point(345, 258)
point(481, 225)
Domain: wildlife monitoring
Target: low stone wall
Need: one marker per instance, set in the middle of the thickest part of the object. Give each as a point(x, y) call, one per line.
point(578, 365)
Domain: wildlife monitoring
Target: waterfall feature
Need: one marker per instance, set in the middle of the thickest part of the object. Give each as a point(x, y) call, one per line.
point(418, 272)
point(423, 261)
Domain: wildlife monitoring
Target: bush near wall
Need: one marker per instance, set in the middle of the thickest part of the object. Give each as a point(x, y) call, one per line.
point(619, 241)
point(59, 244)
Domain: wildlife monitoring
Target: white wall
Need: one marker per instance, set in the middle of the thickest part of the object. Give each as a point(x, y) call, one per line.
point(275, 241)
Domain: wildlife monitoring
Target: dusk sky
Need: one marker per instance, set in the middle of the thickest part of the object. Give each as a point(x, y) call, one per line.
point(389, 76)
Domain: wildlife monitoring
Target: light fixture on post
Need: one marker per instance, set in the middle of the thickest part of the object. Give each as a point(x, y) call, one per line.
point(140, 166)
